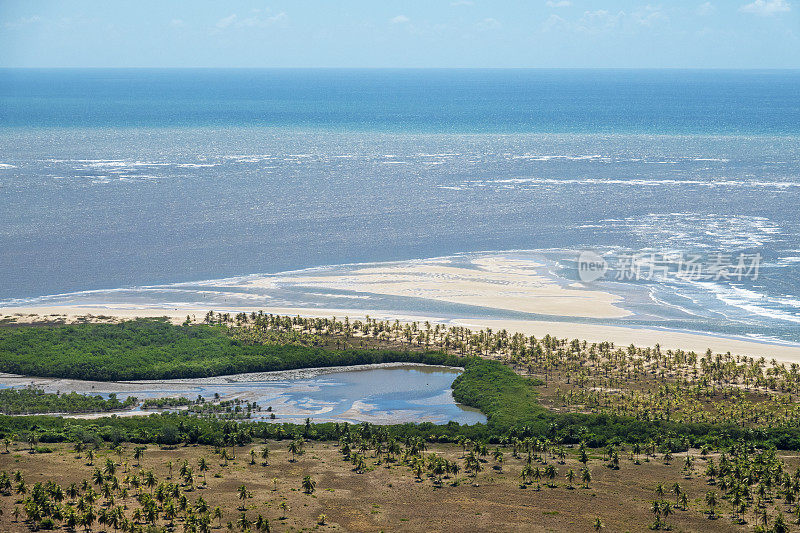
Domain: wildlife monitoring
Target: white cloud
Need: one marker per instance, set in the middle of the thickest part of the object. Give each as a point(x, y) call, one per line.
point(554, 22)
point(600, 20)
point(489, 24)
point(648, 16)
point(261, 22)
point(766, 7)
point(256, 21)
point(706, 8)
point(400, 19)
point(24, 21)
point(558, 3)
point(226, 21)
point(177, 23)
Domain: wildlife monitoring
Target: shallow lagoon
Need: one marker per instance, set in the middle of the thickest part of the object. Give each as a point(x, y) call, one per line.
point(380, 394)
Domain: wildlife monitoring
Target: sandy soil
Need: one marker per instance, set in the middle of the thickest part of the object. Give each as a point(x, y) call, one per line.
point(391, 499)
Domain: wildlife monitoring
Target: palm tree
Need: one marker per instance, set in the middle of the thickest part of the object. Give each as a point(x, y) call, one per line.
point(666, 509)
point(779, 525)
point(655, 508)
point(537, 475)
point(598, 524)
point(438, 470)
point(138, 453)
point(711, 501)
point(265, 455)
point(454, 468)
point(295, 448)
point(110, 469)
point(498, 457)
point(244, 522)
point(88, 518)
point(527, 473)
point(308, 485)
point(688, 465)
point(676, 488)
point(243, 495)
point(570, 475)
point(550, 472)
point(586, 477)
point(218, 515)
point(150, 480)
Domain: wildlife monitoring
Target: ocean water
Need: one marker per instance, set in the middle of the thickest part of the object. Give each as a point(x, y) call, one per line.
point(121, 180)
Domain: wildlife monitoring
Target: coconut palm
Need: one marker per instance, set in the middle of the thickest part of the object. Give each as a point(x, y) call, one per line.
point(265, 455)
point(711, 501)
point(586, 477)
point(202, 465)
point(138, 453)
point(243, 495)
point(295, 448)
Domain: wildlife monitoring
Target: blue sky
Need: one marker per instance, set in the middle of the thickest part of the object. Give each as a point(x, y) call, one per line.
point(411, 33)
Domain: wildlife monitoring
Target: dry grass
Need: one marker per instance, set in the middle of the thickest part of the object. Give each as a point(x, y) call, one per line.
point(389, 498)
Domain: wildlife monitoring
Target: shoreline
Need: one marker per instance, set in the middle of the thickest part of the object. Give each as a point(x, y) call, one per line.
point(695, 341)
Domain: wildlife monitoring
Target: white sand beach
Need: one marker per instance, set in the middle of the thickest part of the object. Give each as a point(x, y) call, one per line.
point(495, 282)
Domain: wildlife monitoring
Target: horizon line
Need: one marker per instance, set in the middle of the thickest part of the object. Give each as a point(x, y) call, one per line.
point(754, 69)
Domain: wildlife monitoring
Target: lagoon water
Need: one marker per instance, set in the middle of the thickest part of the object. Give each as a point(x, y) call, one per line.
point(388, 394)
point(122, 180)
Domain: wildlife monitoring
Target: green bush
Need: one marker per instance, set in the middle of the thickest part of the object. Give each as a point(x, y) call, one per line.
point(155, 349)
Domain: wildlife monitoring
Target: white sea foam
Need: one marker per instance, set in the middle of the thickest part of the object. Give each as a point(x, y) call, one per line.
point(636, 182)
point(684, 231)
point(754, 302)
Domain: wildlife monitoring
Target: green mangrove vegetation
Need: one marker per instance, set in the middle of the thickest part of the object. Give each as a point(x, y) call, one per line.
point(31, 401)
point(156, 349)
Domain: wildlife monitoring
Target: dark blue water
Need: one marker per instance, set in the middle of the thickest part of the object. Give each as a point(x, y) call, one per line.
point(123, 178)
point(454, 101)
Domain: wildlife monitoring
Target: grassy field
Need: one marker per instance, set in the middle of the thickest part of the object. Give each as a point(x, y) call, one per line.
point(579, 437)
point(387, 495)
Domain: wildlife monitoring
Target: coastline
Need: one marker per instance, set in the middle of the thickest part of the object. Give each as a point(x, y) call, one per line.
point(620, 335)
